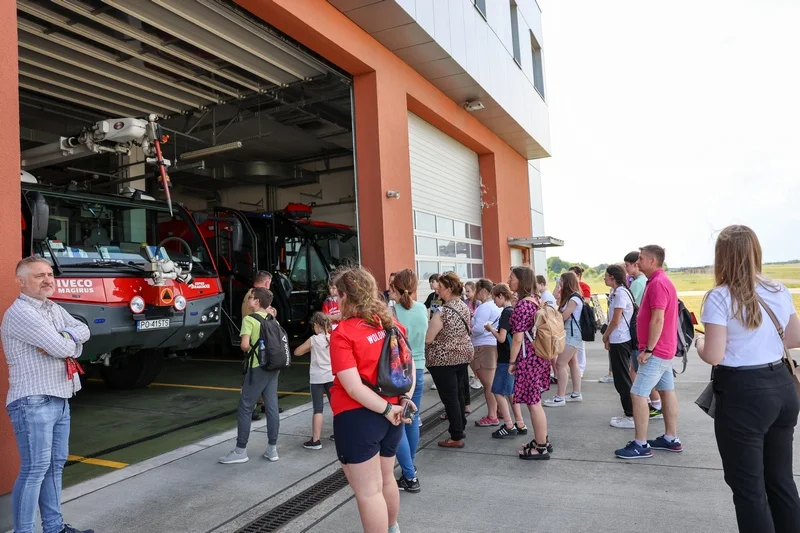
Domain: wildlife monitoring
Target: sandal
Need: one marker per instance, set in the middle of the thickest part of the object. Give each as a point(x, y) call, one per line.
point(532, 444)
point(533, 452)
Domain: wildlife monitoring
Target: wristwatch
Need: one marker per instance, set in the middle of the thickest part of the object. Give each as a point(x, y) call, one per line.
point(648, 350)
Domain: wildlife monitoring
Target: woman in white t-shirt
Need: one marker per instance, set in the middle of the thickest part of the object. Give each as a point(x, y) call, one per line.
point(570, 300)
point(617, 340)
point(756, 400)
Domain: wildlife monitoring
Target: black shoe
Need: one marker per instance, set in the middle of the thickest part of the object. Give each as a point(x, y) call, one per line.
point(69, 529)
point(504, 432)
point(553, 380)
point(521, 430)
point(332, 437)
point(312, 445)
point(256, 415)
point(408, 485)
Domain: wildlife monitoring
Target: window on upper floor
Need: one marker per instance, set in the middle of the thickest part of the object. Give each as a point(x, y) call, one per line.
point(480, 5)
point(538, 70)
point(515, 33)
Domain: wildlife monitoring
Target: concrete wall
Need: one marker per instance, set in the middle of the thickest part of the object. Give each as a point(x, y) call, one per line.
point(483, 47)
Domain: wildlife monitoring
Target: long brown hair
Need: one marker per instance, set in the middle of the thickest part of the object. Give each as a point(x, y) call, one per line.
point(405, 284)
point(569, 287)
point(527, 281)
point(362, 301)
point(737, 265)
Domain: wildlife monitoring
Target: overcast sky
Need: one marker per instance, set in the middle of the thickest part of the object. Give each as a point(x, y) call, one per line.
point(671, 120)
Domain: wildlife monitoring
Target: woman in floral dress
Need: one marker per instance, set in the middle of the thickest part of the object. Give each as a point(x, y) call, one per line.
point(531, 373)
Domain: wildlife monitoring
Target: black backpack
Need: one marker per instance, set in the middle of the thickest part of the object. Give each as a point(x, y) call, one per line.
point(394, 366)
point(685, 334)
point(632, 323)
point(272, 349)
point(588, 323)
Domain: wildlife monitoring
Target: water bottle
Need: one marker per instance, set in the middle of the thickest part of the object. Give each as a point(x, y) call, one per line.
point(262, 353)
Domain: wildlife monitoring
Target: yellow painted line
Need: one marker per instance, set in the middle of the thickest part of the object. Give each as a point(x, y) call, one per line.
point(96, 462)
point(231, 389)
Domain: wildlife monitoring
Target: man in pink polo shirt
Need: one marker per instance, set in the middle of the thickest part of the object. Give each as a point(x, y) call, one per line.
point(657, 331)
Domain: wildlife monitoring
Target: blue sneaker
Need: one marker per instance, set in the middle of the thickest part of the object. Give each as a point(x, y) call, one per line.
point(634, 451)
point(663, 444)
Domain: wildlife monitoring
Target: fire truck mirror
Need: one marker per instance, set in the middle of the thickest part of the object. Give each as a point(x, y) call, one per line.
point(40, 217)
point(236, 236)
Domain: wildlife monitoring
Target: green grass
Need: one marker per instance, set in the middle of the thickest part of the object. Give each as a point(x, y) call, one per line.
point(789, 275)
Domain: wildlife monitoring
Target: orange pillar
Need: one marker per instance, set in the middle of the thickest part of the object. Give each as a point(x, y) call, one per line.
point(496, 256)
point(9, 221)
point(382, 164)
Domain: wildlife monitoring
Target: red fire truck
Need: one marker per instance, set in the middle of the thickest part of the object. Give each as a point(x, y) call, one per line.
point(135, 270)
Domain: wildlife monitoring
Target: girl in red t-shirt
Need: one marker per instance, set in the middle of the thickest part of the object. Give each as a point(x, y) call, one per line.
point(366, 425)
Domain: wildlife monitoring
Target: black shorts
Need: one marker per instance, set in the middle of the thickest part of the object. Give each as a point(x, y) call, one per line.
point(361, 433)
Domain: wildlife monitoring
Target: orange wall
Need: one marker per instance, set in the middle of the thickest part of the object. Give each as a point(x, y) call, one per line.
point(385, 87)
point(9, 224)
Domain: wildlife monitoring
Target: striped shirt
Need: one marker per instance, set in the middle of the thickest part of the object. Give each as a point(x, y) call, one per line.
point(36, 348)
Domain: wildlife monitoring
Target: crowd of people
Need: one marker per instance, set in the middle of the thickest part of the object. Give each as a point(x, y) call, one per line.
point(486, 328)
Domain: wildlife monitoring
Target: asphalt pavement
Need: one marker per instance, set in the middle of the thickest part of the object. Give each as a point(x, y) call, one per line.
point(483, 487)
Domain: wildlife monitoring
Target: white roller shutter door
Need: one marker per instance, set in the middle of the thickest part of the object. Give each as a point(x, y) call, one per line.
point(446, 198)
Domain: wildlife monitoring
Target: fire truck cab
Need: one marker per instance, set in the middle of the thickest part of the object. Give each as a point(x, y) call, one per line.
point(123, 270)
point(299, 252)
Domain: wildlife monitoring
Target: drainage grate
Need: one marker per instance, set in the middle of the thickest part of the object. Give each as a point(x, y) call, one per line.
point(299, 504)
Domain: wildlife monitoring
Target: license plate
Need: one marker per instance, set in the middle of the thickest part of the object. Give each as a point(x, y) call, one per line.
point(144, 325)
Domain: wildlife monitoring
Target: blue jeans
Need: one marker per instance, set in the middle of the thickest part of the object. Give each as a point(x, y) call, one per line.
point(41, 426)
point(407, 450)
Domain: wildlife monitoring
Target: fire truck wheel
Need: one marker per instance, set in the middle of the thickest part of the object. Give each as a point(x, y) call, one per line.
point(133, 371)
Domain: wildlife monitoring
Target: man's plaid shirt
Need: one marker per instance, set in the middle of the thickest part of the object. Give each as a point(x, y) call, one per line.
point(36, 350)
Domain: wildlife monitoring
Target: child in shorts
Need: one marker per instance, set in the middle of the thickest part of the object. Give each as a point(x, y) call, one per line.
point(503, 384)
point(320, 375)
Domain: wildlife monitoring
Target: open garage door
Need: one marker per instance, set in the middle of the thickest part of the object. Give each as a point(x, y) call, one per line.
point(256, 123)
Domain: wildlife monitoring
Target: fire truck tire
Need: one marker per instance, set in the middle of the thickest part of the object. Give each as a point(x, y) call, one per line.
point(134, 371)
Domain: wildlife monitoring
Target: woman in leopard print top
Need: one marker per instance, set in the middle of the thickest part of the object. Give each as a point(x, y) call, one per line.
point(448, 352)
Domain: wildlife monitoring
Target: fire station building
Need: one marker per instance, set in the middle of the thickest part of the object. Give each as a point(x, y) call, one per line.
point(418, 123)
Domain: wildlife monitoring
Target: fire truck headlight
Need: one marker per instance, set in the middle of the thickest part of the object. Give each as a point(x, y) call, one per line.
point(180, 303)
point(136, 305)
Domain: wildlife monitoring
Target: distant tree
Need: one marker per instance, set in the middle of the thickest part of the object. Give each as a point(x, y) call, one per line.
point(601, 267)
point(557, 265)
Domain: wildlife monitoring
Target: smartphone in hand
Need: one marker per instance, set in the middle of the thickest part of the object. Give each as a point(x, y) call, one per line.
point(408, 410)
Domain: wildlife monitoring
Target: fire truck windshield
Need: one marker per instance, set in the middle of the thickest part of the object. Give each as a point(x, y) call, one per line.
point(340, 248)
point(90, 232)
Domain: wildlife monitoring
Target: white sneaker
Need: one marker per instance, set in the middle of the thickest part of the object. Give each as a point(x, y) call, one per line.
point(606, 379)
point(575, 397)
point(623, 422)
point(394, 529)
point(475, 383)
point(271, 453)
point(233, 457)
point(555, 401)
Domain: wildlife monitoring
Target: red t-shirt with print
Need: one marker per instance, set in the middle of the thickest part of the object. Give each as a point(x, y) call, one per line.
point(355, 344)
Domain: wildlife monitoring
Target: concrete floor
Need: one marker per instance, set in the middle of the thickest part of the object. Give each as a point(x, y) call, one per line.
point(484, 486)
